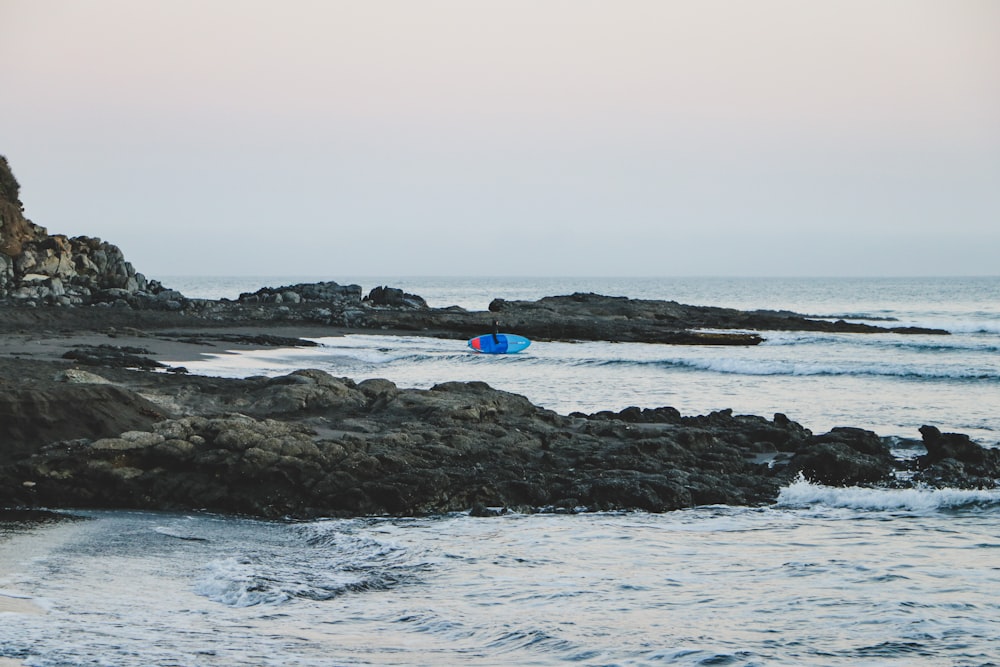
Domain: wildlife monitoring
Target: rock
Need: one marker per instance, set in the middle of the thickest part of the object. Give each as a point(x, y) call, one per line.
point(838, 464)
point(627, 319)
point(30, 418)
point(54, 269)
point(113, 355)
point(310, 444)
point(76, 376)
point(845, 457)
point(953, 460)
point(391, 296)
point(376, 449)
point(326, 292)
point(956, 446)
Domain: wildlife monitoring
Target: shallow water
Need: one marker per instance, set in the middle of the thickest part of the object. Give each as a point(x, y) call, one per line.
point(819, 380)
point(889, 383)
point(825, 577)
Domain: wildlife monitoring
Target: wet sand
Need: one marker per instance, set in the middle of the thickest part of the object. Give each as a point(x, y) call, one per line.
point(175, 345)
point(17, 605)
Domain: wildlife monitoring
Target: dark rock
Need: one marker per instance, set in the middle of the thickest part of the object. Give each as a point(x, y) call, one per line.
point(30, 418)
point(639, 319)
point(375, 449)
point(112, 355)
point(845, 456)
point(309, 444)
point(325, 292)
point(956, 446)
point(391, 296)
point(953, 460)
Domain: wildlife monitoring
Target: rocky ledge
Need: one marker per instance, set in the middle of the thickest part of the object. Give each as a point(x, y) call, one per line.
point(309, 444)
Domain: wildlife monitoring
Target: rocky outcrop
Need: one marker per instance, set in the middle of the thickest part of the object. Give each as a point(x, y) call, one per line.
point(635, 319)
point(29, 417)
point(309, 444)
point(322, 292)
point(15, 230)
point(953, 460)
point(392, 296)
point(37, 268)
point(845, 457)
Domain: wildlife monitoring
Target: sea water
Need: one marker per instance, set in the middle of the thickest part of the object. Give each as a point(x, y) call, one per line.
point(824, 576)
point(889, 383)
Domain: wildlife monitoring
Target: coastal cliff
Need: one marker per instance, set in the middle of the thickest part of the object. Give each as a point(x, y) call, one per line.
point(38, 268)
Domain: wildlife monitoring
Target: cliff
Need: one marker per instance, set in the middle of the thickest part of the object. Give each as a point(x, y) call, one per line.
point(38, 268)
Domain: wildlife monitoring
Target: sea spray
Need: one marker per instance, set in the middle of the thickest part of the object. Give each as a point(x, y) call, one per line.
point(803, 493)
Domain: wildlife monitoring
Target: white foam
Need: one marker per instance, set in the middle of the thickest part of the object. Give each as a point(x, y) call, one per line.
point(804, 493)
point(235, 583)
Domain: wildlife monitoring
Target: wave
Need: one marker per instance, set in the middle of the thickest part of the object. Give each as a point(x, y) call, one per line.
point(804, 493)
point(973, 322)
point(316, 565)
point(765, 367)
point(915, 343)
point(974, 327)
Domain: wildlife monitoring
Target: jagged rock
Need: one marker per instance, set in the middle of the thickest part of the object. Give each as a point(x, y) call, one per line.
point(392, 296)
point(327, 292)
point(837, 463)
point(952, 459)
point(41, 269)
point(373, 448)
point(308, 443)
point(956, 446)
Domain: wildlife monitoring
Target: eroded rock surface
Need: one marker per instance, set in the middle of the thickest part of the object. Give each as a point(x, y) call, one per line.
point(308, 444)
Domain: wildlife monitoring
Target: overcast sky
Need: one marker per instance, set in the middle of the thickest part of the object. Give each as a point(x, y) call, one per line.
point(514, 137)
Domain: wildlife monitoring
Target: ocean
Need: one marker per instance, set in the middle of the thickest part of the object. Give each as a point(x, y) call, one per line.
point(825, 576)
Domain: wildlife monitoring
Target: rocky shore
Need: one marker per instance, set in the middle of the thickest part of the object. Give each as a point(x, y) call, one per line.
point(91, 416)
point(309, 444)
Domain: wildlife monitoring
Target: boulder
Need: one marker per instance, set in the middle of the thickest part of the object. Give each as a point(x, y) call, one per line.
point(845, 456)
point(394, 297)
point(953, 460)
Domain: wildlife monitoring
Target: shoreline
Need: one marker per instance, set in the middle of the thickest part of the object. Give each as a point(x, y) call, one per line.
point(173, 345)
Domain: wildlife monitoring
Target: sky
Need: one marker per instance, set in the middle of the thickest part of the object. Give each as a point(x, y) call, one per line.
point(514, 138)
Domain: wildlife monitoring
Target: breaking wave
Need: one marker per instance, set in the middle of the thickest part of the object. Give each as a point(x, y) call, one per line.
point(320, 564)
point(804, 493)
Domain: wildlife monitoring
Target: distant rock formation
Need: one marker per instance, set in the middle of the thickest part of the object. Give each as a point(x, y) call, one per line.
point(37, 268)
point(638, 319)
point(326, 292)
